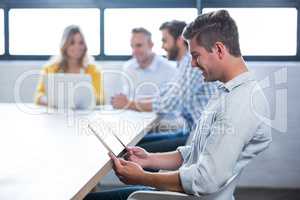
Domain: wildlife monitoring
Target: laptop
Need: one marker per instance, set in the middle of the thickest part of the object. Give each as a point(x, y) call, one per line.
point(70, 91)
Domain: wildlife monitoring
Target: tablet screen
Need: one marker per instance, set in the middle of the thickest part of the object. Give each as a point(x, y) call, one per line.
point(104, 133)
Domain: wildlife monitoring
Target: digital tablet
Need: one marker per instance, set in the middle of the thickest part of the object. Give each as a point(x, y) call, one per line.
point(107, 137)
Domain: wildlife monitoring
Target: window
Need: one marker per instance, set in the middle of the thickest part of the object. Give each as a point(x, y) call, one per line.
point(39, 31)
point(1, 31)
point(119, 23)
point(269, 30)
point(265, 31)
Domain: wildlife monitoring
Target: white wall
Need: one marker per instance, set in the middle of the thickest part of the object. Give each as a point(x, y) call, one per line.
point(279, 166)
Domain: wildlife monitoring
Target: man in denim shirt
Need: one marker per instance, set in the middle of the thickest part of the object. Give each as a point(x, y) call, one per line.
point(229, 133)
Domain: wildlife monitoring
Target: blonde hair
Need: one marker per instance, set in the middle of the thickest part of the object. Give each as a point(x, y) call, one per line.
point(62, 59)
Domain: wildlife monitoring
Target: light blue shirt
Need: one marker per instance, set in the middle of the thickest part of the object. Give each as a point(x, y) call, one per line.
point(187, 94)
point(149, 81)
point(229, 134)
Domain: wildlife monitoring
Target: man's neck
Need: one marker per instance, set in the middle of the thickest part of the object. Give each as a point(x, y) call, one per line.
point(235, 67)
point(146, 63)
point(181, 53)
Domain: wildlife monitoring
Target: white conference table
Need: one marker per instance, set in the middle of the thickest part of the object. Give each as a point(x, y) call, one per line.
point(50, 155)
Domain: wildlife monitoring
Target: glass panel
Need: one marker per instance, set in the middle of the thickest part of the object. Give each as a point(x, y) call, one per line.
point(39, 31)
point(265, 31)
point(1, 31)
point(120, 22)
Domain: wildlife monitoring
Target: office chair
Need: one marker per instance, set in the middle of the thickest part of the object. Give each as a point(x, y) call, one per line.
point(224, 193)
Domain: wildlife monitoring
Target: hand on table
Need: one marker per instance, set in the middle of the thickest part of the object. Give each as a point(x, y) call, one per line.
point(120, 101)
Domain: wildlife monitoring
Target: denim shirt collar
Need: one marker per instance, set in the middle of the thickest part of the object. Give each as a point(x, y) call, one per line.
point(237, 81)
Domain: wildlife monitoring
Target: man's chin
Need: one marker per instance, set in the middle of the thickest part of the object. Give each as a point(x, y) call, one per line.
point(171, 56)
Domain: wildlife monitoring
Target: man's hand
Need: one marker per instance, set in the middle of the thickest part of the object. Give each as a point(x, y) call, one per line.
point(133, 174)
point(138, 155)
point(128, 172)
point(120, 101)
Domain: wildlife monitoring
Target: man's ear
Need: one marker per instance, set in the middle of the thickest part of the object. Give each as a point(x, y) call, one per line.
point(220, 49)
point(151, 44)
point(180, 41)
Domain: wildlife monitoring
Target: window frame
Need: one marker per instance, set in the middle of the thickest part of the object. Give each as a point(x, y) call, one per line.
point(3, 36)
point(106, 4)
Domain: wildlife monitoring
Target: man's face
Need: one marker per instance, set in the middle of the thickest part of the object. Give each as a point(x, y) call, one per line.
point(141, 46)
point(206, 61)
point(169, 45)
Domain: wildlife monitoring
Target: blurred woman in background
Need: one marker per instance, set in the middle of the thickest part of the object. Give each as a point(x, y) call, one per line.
point(73, 58)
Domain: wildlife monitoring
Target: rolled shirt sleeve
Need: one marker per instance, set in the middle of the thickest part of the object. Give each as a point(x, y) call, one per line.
point(184, 152)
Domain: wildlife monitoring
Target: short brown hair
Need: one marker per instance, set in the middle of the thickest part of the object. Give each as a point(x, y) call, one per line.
point(174, 27)
point(213, 27)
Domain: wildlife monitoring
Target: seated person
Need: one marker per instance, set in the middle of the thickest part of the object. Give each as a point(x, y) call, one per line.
point(73, 58)
point(229, 133)
point(188, 96)
point(146, 72)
